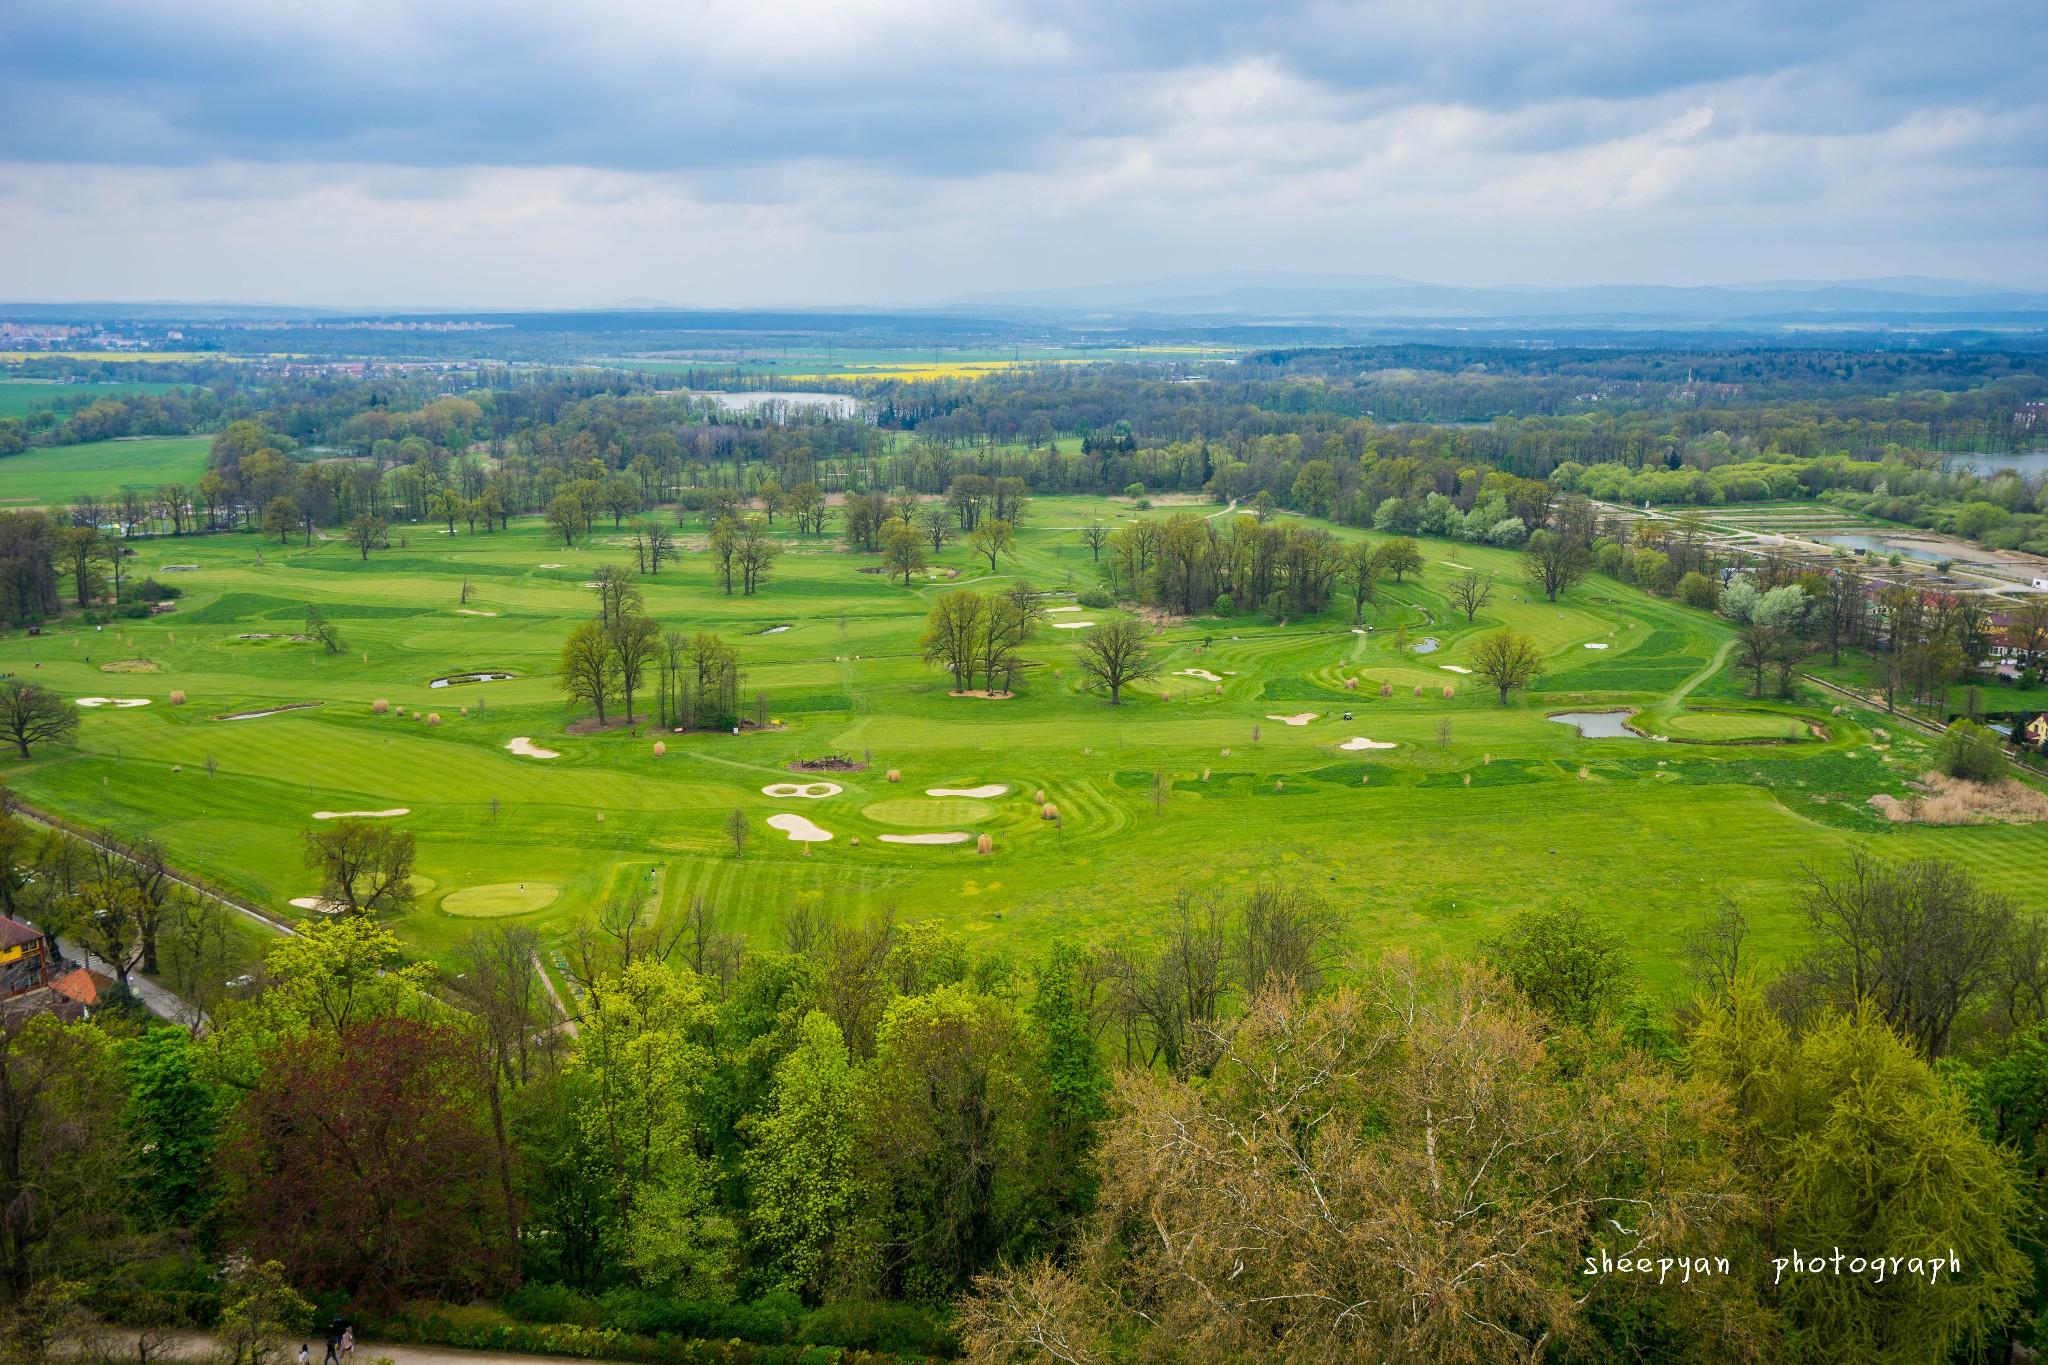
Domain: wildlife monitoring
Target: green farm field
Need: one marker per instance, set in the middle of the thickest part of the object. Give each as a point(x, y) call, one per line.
point(19, 397)
point(55, 473)
point(1476, 810)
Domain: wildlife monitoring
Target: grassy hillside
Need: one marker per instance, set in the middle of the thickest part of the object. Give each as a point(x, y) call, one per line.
point(1477, 810)
point(55, 473)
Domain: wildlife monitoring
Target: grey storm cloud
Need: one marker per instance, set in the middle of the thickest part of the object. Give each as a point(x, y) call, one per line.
point(861, 150)
point(929, 89)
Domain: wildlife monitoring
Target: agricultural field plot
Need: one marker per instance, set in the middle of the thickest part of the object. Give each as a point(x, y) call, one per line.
point(19, 397)
point(45, 474)
point(1428, 814)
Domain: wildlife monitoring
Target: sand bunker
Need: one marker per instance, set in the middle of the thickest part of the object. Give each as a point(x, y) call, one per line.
point(269, 711)
point(1071, 625)
point(1363, 743)
point(1202, 673)
point(1596, 646)
point(1453, 668)
point(554, 566)
point(799, 829)
point(954, 837)
point(981, 793)
point(1050, 610)
point(772, 630)
point(113, 701)
point(360, 814)
point(319, 903)
point(472, 611)
point(810, 791)
point(1302, 719)
point(526, 748)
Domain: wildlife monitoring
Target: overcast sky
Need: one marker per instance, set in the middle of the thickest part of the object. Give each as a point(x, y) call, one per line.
point(438, 153)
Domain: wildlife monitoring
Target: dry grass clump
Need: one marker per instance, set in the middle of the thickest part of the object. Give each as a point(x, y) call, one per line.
point(1048, 811)
point(660, 749)
point(177, 697)
point(895, 776)
point(1418, 689)
point(433, 717)
point(984, 844)
point(1386, 689)
point(1449, 691)
point(1957, 801)
point(1351, 684)
point(380, 706)
point(855, 841)
point(1039, 796)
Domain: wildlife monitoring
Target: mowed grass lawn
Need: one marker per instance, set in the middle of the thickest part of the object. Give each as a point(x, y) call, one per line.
point(45, 474)
point(1477, 810)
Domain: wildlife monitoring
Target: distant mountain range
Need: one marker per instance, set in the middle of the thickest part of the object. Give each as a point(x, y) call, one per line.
point(1288, 296)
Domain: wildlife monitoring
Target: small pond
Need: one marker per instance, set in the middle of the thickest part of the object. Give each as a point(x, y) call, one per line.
point(457, 678)
point(1880, 545)
point(1427, 645)
point(1599, 724)
point(2032, 463)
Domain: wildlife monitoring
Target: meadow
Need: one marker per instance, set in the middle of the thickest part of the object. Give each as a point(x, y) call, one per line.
point(1477, 809)
point(19, 397)
point(43, 474)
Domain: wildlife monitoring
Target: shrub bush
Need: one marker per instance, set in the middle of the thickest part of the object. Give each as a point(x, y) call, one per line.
point(1097, 598)
point(1972, 752)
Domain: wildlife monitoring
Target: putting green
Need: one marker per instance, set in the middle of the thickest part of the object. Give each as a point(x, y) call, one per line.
point(1734, 725)
point(922, 811)
point(496, 902)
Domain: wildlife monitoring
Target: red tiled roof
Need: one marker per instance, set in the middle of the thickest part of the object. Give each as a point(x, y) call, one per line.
point(81, 985)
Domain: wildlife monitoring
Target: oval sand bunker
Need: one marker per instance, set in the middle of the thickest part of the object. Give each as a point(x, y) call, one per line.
point(810, 791)
point(90, 702)
point(1363, 743)
point(952, 837)
point(360, 814)
point(981, 793)
point(799, 829)
point(1301, 719)
point(526, 748)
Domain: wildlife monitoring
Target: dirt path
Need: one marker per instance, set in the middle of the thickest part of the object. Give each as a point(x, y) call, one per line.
point(193, 1346)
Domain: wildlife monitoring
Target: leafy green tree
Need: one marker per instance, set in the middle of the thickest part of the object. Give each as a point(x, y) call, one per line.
point(800, 1168)
point(1972, 752)
point(1849, 1141)
point(1073, 1091)
point(364, 867)
point(31, 713)
point(63, 1155)
point(280, 518)
point(1554, 563)
point(946, 1113)
point(992, 538)
point(1396, 557)
point(173, 1120)
point(645, 1050)
point(1505, 660)
point(903, 546)
point(1114, 655)
point(367, 532)
point(1568, 966)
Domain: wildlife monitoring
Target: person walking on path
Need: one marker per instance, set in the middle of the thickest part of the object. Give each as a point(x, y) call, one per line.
point(333, 1348)
point(305, 1358)
point(348, 1343)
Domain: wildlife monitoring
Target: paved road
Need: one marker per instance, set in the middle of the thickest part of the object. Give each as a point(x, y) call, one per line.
point(155, 998)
